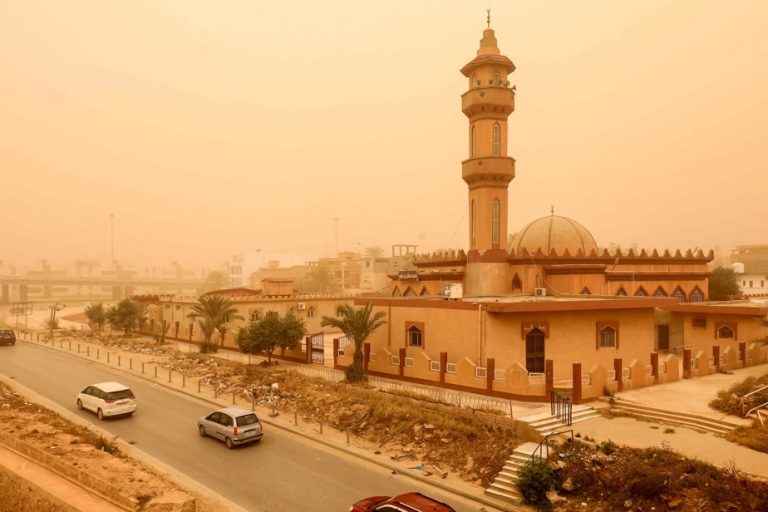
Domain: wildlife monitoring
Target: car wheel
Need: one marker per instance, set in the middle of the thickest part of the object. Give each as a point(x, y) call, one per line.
point(79, 404)
point(201, 429)
point(100, 414)
point(228, 443)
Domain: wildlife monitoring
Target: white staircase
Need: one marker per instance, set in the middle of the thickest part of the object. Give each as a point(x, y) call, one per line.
point(545, 423)
point(504, 487)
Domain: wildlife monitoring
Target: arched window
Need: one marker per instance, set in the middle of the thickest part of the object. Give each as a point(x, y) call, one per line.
point(607, 337)
point(517, 284)
point(495, 221)
point(641, 292)
point(696, 295)
point(496, 78)
point(409, 292)
point(473, 226)
point(415, 338)
point(496, 139)
point(396, 292)
point(311, 312)
point(424, 292)
point(472, 142)
point(585, 291)
point(679, 293)
point(725, 332)
point(660, 292)
point(622, 292)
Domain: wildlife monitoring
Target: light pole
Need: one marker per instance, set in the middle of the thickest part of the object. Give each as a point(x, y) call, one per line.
point(112, 240)
point(54, 308)
point(336, 236)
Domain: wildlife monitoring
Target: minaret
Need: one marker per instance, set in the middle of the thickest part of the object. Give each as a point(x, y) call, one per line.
point(488, 170)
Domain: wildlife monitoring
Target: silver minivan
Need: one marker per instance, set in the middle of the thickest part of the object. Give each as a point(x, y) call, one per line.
point(233, 425)
point(107, 399)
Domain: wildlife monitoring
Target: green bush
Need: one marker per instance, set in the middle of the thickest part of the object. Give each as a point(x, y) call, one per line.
point(533, 481)
point(608, 447)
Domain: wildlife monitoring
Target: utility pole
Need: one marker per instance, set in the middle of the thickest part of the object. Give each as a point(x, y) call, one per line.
point(112, 240)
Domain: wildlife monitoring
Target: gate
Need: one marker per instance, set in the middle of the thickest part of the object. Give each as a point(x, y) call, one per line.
point(317, 348)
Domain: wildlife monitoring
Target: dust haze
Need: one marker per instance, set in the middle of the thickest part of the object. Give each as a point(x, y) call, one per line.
point(207, 130)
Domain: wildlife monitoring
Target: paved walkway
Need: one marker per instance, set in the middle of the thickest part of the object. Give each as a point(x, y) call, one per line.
point(690, 396)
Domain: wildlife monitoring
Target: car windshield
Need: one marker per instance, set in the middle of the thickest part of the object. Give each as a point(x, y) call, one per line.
point(248, 419)
point(119, 395)
point(6, 332)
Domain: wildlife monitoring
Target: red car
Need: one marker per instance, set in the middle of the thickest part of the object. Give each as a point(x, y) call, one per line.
point(409, 502)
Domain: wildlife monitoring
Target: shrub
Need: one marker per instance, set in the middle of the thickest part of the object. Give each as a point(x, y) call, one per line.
point(534, 480)
point(608, 447)
point(354, 374)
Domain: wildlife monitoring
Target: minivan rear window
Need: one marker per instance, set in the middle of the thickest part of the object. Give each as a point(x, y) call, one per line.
point(119, 395)
point(248, 419)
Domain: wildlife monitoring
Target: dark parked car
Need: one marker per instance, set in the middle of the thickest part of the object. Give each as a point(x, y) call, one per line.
point(7, 337)
point(409, 502)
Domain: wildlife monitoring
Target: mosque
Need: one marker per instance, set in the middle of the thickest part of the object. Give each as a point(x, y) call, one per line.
point(553, 311)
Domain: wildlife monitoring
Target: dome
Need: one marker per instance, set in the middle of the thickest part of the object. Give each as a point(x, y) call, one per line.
point(554, 232)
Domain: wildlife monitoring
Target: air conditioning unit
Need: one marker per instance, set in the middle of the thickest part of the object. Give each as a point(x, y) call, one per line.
point(540, 292)
point(301, 306)
point(452, 290)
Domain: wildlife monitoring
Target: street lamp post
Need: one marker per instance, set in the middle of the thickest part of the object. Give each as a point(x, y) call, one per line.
point(54, 308)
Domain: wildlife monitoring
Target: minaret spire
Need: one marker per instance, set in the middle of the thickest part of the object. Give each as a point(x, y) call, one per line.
point(489, 18)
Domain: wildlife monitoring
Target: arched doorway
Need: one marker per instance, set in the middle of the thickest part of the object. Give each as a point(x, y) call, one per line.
point(534, 351)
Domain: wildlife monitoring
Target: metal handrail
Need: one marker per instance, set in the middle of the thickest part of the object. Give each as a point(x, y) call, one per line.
point(561, 406)
point(755, 409)
point(545, 442)
point(755, 391)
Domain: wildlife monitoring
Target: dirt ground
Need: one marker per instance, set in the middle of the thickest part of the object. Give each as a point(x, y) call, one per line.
point(88, 457)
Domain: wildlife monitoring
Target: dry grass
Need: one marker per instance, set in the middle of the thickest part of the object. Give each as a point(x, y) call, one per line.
point(17, 496)
point(651, 479)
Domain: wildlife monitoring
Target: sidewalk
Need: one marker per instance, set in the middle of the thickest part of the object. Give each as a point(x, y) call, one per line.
point(146, 366)
point(690, 396)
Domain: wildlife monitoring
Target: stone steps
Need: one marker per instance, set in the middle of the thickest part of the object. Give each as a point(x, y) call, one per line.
point(545, 423)
point(683, 419)
point(504, 486)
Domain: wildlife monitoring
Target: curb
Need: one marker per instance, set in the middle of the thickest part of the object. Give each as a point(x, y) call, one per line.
point(505, 507)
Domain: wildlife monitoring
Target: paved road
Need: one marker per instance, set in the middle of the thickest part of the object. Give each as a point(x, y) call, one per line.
point(281, 473)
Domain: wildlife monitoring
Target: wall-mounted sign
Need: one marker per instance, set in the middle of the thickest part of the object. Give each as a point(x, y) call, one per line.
point(408, 275)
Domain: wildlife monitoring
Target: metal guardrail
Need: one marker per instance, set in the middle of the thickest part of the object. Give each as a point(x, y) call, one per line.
point(743, 402)
point(545, 443)
point(561, 407)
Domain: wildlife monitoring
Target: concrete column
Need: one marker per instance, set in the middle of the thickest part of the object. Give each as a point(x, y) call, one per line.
point(549, 377)
point(308, 343)
point(576, 383)
point(655, 366)
point(619, 374)
point(5, 298)
point(23, 293)
point(401, 352)
point(743, 353)
point(443, 364)
point(366, 355)
point(335, 350)
point(687, 363)
point(716, 356)
point(490, 368)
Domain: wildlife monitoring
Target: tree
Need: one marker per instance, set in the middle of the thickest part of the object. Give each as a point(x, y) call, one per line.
point(212, 314)
point(723, 285)
point(271, 332)
point(97, 315)
point(372, 253)
point(357, 324)
point(216, 280)
point(159, 330)
point(319, 280)
point(125, 315)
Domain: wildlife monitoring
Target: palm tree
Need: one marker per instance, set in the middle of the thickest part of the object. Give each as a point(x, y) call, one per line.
point(357, 324)
point(213, 312)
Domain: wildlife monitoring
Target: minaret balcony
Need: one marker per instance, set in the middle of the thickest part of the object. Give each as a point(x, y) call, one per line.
point(494, 101)
point(488, 170)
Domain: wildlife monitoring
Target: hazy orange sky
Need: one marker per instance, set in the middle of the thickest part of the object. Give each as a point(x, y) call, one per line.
point(213, 128)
